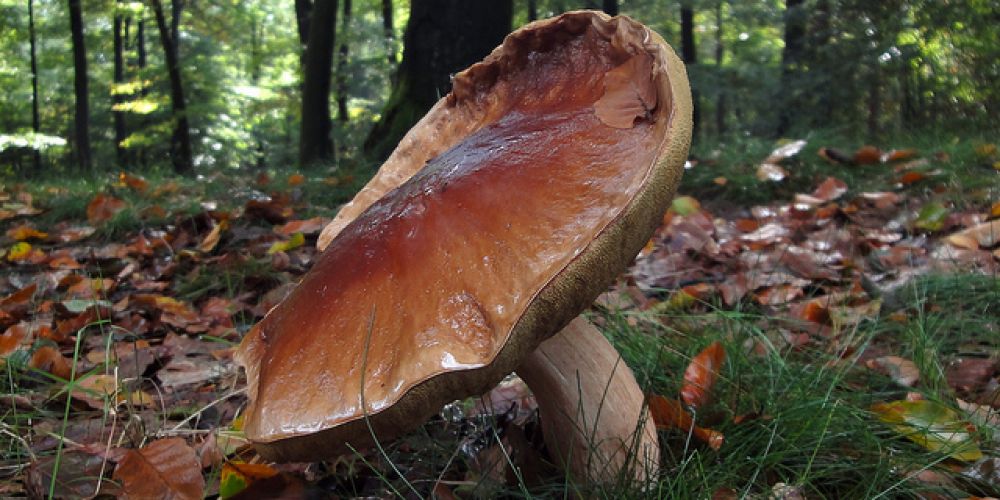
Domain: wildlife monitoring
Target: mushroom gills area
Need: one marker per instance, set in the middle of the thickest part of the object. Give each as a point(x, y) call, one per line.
point(433, 277)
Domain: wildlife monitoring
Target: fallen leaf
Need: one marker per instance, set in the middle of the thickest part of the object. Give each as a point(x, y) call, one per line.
point(73, 233)
point(131, 181)
point(19, 252)
point(899, 155)
point(103, 207)
point(48, 359)
point(785, 151)
point(931, 425)
point(292, 243)
point(167, 468)
point(701, 374)
point(931, 217)
point(771, 172)
point(867, 155)
point(26, 232)
point(212, 238)
point(912, 177)
point(629, 93)
point(834, 155)
point(307, 226)
point(670, 414)
point(903, 371)
point(78, 476)
point(984, 235)
point(830, 189)
point(236, 476)
point(296, 179)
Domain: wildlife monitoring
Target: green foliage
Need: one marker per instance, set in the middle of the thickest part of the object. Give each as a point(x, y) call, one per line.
point(872, 67)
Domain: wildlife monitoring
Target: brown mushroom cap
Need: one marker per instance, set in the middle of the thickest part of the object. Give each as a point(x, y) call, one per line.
point(528, 189)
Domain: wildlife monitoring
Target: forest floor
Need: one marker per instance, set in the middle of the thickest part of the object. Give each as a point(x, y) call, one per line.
point(835, 312)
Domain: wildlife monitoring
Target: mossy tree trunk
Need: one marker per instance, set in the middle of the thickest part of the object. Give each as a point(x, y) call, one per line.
point(442, 37)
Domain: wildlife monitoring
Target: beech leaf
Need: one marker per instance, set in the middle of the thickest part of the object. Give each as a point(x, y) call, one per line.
point(701, 374)
point(931, 425)
point(670, 414)
point(167, 468)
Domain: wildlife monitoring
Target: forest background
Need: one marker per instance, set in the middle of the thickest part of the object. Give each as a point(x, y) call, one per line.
point(166, 167)
point(194, 85)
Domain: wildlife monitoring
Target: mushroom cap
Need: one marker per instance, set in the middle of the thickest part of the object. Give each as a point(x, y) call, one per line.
point(500, 217)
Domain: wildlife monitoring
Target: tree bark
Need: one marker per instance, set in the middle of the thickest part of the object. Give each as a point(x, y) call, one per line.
point(689, 55)
point(303, 11)
point(345, 25)
point(180, 141)
point(36, 124)
point(82, 123)
point(389, 31)
point(611, 7)
point(441, 38)
point(119, 78)
point(720, 100)
point(532, 10)
point(314, 139)
point(791, 58)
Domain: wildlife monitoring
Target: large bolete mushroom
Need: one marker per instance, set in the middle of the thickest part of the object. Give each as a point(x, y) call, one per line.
point(498, 219)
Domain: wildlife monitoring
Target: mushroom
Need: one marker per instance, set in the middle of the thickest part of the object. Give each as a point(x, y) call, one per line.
point(498, 219)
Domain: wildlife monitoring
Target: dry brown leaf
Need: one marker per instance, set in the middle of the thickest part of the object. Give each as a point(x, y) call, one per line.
point(901, 370)
point(167, 468)
point(629, 93)
point(103, 207)
point(701, 374)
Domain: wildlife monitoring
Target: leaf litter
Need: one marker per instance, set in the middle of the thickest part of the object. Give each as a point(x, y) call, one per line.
point(147, 328)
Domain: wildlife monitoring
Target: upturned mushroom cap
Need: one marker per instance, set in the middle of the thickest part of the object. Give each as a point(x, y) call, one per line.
point(499, 218)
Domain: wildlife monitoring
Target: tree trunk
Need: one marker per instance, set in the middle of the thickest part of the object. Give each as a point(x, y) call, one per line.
point(441, 38)
point(314, 139)
point(720, 99)
point(532, 10)
point(180, 141)
point(389, 31)
point(82, 128)
point(119, 78)
point(36, 124)
point(345, 25)
point(303, 11)
point(611, 7)
point(690, 57)
point(791, 58)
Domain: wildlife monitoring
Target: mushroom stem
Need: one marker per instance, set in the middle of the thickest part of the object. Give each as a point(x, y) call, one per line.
point(592, 411)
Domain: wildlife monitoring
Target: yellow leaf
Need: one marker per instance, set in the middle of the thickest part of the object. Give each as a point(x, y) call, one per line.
point(26, 232)
point(292, 243)
point(931, 425)
point(19, 251)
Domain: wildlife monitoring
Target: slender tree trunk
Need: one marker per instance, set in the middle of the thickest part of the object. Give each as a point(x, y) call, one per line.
point(690, 56)
point(314, 139)
point(119, 78)
point(389, 31)
point(791, 59)
point(180, 141)
point(36, 123)
point(611, 7)
point(532, 10)
point(303, 12)
point(140, 64)
point(442, 37)
point(720, 99)
point(821, 35)
point(82, 128)
point(345, 25)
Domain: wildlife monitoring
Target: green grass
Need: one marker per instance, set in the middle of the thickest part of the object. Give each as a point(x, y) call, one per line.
point(965, 178)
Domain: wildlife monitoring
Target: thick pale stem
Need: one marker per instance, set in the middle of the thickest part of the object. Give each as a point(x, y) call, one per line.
point(592, 410)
